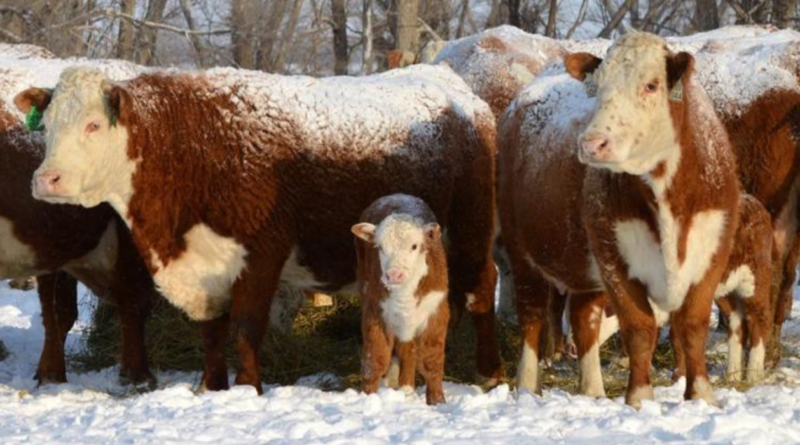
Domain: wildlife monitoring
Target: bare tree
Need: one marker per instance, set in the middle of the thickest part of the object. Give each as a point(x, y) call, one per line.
point(706, 16)
point(186, 9)
point(271, 25)
point(616, 19)
point(147, 36)
point(340, 49)
point(408, 26)
point(242, 33)
point(551, 19)
point(288, 36)
point(783, 12)
point(127, 32)
point(366, 19)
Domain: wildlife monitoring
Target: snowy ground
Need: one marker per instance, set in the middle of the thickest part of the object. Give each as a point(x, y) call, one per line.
point(93, 409)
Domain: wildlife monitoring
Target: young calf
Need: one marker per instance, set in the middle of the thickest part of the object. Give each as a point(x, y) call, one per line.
point(402, 277)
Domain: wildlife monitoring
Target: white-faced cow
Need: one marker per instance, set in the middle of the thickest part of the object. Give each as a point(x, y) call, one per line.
point(232, 181)
point(643, 206)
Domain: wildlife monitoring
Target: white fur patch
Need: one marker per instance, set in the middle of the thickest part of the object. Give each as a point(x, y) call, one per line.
point(528, 370)
point(755, 364)
point(298, 276)
point(608, 327)
point(741, 281)
point(96, 268)
point(657, 265)
point(17, 260)
point(734, 373)
point(704, 391)
point(591, 373)
point(199, 281)
point(644, 392)
point(406, 317)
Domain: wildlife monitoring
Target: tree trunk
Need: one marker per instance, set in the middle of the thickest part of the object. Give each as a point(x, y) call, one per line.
point(407, 26)
point(186, 8)
point(288, 36)
point(551, 19)
point(758, 14)
point(635, 20)
point(368, 58)
point(146, 45)
point(242, 34)
point(340, 50)
point(514, 17)
point(462, 19)
point(265, 58)
point(706, 15)
point(615, 20)
point(783, 12)
point(127, 32)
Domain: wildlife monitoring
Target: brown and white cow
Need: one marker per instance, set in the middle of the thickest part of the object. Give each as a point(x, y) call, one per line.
point(402, 279)
point(232, 181)
point(645, 208)
point(60, 244)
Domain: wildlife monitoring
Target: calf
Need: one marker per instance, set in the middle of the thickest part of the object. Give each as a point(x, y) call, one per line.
point(402, 278)
point(647, 211)
point(233, 181)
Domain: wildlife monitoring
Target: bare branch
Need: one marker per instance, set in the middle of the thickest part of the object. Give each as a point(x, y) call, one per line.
point(160, 26)
point(616, 19)
point(430, 30)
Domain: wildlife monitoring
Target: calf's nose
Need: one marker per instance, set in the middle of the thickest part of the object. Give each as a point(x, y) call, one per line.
point(395, 276)
point(47, 183)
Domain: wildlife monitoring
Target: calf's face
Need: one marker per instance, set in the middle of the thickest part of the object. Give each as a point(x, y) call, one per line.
point(402, 243)
point(631, 129)
point(86, 160)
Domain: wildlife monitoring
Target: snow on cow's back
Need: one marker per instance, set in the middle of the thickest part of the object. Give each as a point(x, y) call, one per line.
point(21, 51)
point(694, 42)
point(736, 72)
point(353, 112)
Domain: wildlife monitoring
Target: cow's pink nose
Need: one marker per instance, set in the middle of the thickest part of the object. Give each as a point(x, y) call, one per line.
point(395, 276)
point(48, 184)
point(596, 146)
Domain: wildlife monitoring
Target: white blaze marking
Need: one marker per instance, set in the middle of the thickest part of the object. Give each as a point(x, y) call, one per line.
point(200, 280)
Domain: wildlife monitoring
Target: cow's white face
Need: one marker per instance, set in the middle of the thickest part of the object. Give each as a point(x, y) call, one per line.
point(86, 161)
point(402, 244)
point(631, 129)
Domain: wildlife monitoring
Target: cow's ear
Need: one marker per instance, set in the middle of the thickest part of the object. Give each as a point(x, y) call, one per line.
point(678, 66)
point(433, 232)
point(33, 97)
point(365, 231)
point(578, 65)
point(118, 99)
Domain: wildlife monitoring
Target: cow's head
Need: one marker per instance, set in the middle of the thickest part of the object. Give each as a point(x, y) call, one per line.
point(86, 161)
point(403, 243)
point(631, 129)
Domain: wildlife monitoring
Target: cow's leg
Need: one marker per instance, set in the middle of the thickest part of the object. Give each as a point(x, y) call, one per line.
point(214, 333)
point(58, 295)
point(430, 347)
point(586, 315)
point(473, 275)
point(532, 295)
point(730, 309)
point(407, 354)
point(376, 352)
point(786, 275)
point(680, 354)
point(758, 320)
point(691, 324)
point(639, 333)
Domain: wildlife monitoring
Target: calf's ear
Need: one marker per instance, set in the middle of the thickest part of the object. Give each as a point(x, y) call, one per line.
point(365, 231)
point(678, 66)
point(578, 65)
point(433, 231)
point(118, 99)
point(33, 97)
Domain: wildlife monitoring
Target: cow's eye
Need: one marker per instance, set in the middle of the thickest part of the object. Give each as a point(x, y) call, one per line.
point(91, 127)
point(651, 87)
point(414, 247)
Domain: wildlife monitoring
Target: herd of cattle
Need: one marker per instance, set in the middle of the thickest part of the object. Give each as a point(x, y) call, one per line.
point(646, 176)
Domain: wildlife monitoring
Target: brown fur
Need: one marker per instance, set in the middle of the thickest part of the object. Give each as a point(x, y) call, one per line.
point(296, 199)
point(552, 214)
point(426, 352)
point(60, 236)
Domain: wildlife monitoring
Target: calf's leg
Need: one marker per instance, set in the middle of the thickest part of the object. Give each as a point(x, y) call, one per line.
point(58, 295)
point(586, 315)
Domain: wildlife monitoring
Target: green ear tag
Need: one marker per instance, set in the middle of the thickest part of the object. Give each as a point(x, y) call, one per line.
point(113, 119)
point(33, 120)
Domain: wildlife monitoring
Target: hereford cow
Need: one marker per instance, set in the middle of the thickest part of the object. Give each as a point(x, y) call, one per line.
point(232, 181)
point(63, 243)
point(60, 244)
point(646, 211)
point(402, 279)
